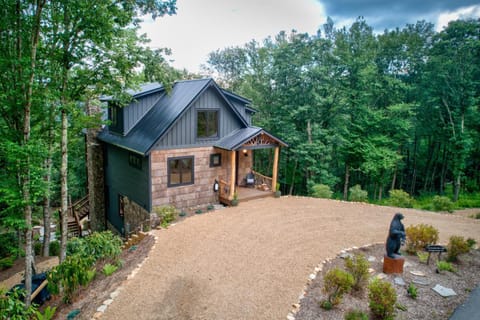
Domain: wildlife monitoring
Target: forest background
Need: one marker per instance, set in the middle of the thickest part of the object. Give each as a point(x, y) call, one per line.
point(393, 110)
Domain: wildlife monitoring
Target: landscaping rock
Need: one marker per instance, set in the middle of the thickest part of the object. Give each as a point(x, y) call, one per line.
point(444, 292)
point(399, 281)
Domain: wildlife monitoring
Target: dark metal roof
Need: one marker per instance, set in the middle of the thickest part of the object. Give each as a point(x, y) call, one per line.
point(143, 90)
point(237, 138)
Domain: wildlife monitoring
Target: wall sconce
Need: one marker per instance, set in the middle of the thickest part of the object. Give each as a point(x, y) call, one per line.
point(245, 152)
point(215, 186)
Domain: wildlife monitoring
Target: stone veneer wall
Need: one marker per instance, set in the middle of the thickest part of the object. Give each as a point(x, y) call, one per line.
point(199, 193)
point(137, 217)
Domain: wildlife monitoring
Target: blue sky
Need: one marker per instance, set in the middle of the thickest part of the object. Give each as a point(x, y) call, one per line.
point(203, 26)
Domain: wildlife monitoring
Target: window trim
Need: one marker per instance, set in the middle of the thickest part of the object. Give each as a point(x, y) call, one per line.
point(192, 172)
point(217, 111)
point(212, 160)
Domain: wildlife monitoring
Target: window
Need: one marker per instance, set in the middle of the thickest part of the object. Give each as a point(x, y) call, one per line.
point(115, 115)
point(180, 171)
point(207, 124)
point(215, 160)
point(121, 205)
point(135, 160)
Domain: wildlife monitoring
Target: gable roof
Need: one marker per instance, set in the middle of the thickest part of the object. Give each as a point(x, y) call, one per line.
point(237, 138)
point(163, 115)
point(143, 90)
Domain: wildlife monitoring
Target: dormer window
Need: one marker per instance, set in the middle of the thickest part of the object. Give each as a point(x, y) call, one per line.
point(115, 115)
point(207, 124)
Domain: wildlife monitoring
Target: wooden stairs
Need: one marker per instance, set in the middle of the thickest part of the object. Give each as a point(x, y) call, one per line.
point(78, 213)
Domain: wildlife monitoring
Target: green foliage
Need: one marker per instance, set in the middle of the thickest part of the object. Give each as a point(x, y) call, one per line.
point(325, 304)
point(442, 203)
point(471, 243)
point(422, 256)
point(70, 275)
point(98, 245)
point(198, 211)
point(166, 214)
point(48, 313)
point(337, 282)
point(54, 248)
point(357, 194)
point(8, 244)
point(412, 291)
point(7, 262)
point(445, 266)
point(13, 307)
point(358, 267)
point(109, 269)
point(401, 199)
point(419, 236)
point(356, 315)
point(321, 191)
point(210, 207)
point(457, 245)
point(382, 299)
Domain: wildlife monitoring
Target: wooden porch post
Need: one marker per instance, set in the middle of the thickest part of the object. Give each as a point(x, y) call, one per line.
point(232, 174)
point(275, 169)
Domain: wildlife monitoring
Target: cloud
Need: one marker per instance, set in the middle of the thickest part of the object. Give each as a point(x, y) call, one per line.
point(383, 14)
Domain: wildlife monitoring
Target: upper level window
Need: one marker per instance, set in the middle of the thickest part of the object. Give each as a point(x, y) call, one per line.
point(115, 115)
point(180, 171)
point(135, 160)
point(207, 124)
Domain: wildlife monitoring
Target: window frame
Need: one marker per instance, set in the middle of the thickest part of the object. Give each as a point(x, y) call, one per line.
point(214, 162)
point(192, 171)
point(135, 160)
point(208, 124)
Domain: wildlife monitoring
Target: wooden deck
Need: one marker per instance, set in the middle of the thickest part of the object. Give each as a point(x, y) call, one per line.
point(246, 194)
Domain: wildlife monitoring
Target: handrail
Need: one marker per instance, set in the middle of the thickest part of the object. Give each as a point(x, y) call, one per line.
point(223, 189)
point(261, 179)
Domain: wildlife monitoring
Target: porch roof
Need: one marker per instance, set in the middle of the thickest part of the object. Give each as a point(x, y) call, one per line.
point(247, 138)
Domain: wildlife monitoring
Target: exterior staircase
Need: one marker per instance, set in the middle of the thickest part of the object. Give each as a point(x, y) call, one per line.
point(78, 213)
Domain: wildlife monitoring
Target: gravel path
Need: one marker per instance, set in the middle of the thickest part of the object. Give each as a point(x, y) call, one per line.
point(252, 261)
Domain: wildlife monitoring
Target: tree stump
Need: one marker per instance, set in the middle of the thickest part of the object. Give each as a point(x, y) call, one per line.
point(393, 265)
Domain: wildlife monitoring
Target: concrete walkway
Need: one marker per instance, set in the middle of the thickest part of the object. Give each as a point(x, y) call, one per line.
point(252, 261)
point(470, 310)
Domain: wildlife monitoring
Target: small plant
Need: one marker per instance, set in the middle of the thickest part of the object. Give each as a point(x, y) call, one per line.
point(325, 304)
point(442, 203)
point(357, 194)
point(422, 257)
point(457, 245)
point(382, 299)
point(419, 236)
point(356, 315)
point(477, 216)
point(358, 267)
point(471, 243)
point(109, 269)
point(210, 207)
point(54, 248)
point(7, 262)
point(166, 215)
point(321, 191)
point(412, 291)
point(198, 211)
point(401, 199)
point(182, 213)
point(445, 266)
point(337, 282)
point(47, 314)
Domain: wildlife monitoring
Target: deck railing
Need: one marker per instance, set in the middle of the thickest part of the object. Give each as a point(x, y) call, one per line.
point(262, 182)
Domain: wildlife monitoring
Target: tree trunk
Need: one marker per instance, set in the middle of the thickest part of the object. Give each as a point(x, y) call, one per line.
point(64, 186)
point(293, 177)
point(347, 181)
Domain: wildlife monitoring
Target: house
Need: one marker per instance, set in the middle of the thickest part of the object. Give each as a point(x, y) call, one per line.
point(175, 148)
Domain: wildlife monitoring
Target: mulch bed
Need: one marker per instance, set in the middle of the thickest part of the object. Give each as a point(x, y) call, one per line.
point(428, 305)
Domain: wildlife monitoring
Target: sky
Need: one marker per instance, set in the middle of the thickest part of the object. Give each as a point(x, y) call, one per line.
point(203, 26)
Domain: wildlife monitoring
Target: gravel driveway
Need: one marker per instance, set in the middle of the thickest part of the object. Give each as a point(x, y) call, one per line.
point(252, 261)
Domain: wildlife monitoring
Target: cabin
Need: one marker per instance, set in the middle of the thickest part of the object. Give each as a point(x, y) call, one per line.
point(190, 147)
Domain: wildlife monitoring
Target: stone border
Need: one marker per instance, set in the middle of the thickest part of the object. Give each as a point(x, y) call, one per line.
point(313, 275)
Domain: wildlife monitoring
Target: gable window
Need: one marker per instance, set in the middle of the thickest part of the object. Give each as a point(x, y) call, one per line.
point(115, 115)
point(135, 160)
point(180, 171)
point(207, 124)
point(215, 160)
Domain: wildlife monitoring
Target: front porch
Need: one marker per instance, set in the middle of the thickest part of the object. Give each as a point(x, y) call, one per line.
point(262, 188)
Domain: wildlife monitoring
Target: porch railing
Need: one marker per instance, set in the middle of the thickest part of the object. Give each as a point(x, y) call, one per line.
point(263, 182)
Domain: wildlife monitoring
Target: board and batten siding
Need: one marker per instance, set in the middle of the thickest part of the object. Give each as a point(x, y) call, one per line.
point(135, 111)
point(187, 196)
point(123, 179)
point(183, 132)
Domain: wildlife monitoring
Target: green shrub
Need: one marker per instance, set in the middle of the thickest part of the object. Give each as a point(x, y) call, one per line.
point(54, 248)
point(70, 275)
point(412, 291)
point(419, 236)
point(471, 243)
point(166, 214)
point(356, 315)
point(422, 257)
point(98, 245)
point(382, 298)
point(8, 244)
point(357, 194)
point(48, 313)
point(37, 248)
point(7, 262)
point(13, 307)
point(442, 203)
point(400, 198)
point(477, 216)
point(445, 266)
point(358, 267)
point(325, 304)
point(109, 269)
point(457, 245)
point(337, 282)
point(321, 191)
